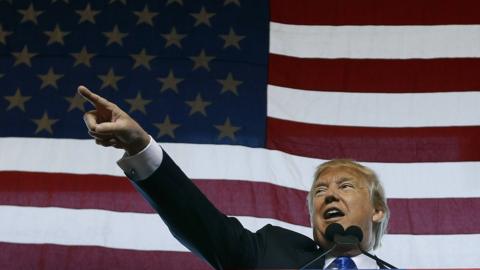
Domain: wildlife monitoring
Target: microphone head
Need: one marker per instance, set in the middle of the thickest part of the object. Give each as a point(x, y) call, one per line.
point(334, 229)
point(354, 231)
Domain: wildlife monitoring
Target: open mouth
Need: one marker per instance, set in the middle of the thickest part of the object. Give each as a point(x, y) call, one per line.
point(332, 213)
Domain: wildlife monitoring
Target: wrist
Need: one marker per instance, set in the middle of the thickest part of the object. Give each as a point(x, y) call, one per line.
point(138, 144)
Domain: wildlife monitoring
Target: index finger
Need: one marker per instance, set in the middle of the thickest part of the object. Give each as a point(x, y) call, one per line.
point(93, 98)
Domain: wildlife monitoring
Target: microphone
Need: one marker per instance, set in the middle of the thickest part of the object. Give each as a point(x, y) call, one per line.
point(352, 236)
point(332, 230)
point(356, 232)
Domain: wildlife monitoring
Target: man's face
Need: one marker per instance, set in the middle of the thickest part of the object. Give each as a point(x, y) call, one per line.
point(341, 195)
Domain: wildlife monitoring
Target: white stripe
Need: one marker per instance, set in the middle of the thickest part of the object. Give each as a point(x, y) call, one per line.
point(403, 180)
point(431, 251)
point(147, 232)
point(100, 228)
point(374, 109)
point(386, 42)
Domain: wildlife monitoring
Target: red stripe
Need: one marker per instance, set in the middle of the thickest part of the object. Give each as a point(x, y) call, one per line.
point(47, 256)
point(435, 216)
point(240, 198)
point(375, 12)
point(117, 194)
point(70, 191)
point(430, 144)
point(374, 75)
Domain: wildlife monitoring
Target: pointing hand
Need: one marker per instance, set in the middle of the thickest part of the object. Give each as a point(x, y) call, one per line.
point(111, 126)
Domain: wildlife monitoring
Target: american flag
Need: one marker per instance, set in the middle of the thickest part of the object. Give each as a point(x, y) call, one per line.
point(248, 97)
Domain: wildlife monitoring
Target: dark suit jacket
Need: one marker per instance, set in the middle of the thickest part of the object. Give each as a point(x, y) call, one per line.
point(222, 241)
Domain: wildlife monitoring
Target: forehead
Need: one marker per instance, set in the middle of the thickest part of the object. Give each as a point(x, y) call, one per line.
point(340, 173)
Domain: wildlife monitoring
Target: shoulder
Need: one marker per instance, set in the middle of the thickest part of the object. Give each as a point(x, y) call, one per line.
point(285, 248)
point(293, 238)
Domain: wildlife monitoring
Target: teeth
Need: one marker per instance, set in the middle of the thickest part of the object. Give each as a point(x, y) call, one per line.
point(333, 213)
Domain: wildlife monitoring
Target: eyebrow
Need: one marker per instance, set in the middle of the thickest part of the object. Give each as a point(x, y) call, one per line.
point(340, 181)
point(343, 180)
point(320, 184)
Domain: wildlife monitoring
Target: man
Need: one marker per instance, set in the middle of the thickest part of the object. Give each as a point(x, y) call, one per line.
point(343, 192)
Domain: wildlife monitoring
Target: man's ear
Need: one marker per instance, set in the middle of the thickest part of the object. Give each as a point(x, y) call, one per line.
point(378, 215)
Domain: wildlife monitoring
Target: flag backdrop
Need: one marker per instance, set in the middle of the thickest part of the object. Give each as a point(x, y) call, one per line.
point(248, 97)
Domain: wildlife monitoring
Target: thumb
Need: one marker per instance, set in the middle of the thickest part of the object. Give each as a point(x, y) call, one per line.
point(107, 127)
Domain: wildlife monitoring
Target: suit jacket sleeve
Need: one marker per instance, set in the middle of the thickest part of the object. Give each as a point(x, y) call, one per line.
point(222, 241)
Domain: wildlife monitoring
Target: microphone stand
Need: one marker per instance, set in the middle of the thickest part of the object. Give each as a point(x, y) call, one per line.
point(381, 262)
point(318, 257)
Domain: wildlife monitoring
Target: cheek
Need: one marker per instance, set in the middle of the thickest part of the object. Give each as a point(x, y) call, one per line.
point(316, 215)
point(315, 204)
point(361, 208)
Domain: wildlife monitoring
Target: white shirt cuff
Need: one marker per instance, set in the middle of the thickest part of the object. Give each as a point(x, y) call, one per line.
point(143, 164)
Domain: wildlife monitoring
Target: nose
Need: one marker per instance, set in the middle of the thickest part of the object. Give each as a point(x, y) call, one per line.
point(330, 197)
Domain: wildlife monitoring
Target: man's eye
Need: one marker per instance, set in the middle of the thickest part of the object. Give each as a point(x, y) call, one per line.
point(346, 185)
point(320, 191)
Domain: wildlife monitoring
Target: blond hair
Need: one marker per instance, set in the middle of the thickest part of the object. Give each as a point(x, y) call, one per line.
point(377, 193)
